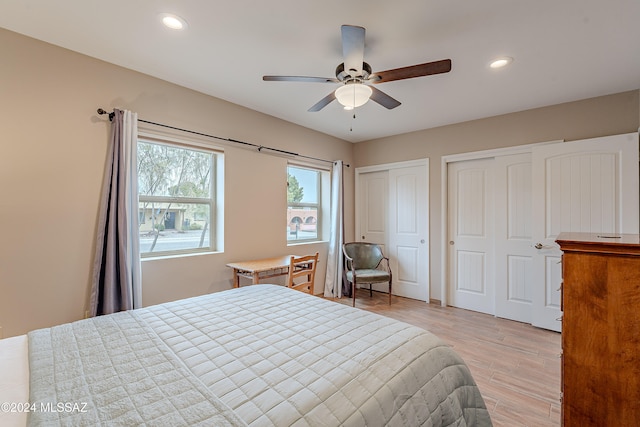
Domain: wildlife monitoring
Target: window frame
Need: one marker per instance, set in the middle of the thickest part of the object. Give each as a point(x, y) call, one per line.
point(213, 201)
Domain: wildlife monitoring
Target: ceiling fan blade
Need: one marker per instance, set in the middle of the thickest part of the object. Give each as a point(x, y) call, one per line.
point(303, 79)
point(323, 102)
point(383, 99)
point(420, 70)
point(353, 49)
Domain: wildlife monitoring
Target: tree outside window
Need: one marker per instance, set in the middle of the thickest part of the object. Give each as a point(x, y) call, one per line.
point(303, 204)
point(176, 200)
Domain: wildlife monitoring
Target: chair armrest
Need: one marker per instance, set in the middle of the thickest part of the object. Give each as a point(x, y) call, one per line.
point(388, 266)
point(349, 262)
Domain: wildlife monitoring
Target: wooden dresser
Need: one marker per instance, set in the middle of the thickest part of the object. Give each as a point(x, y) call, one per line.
point(600, 329)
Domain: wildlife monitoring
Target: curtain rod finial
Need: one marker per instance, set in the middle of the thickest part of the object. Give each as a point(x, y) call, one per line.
point(102, 111)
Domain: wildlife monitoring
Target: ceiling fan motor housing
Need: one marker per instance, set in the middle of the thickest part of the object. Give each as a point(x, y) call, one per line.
point(345, 75)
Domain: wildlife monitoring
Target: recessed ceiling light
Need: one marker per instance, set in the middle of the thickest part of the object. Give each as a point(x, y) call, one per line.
point(501, 62)
point(173, 21)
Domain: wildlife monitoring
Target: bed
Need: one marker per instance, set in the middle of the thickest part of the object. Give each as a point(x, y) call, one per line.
point(258, 355)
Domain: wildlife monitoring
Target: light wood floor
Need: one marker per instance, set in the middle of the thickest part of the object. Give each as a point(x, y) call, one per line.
point(516, 366)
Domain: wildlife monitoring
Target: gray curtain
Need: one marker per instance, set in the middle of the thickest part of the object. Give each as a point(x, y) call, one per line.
point(333, 280)
point(116, 281)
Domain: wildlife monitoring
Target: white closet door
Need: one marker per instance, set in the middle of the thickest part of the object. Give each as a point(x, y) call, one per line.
point(373, 206)
point(471, 235)
point(392, 210)
point(408, 235)
point(582, 186)
point(514, 251)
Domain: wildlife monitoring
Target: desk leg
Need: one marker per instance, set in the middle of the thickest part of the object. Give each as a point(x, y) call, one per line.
point(236, 279)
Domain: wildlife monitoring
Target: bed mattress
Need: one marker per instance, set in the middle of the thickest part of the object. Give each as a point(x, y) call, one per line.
point(14, 381)
point(259, 355)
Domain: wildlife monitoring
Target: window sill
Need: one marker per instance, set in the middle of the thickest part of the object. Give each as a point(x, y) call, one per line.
point(307, 242)
point(169, 256)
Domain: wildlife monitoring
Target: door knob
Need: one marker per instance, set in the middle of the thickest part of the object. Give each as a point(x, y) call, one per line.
point(541, 246)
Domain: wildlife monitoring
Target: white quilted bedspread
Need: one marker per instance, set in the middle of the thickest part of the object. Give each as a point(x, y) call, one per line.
point(274, 357)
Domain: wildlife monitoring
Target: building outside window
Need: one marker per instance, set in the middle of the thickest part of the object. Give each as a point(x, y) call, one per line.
point(303, 204)
point(176, 191)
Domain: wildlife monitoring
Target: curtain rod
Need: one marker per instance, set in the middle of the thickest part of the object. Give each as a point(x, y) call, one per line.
point(101, 111)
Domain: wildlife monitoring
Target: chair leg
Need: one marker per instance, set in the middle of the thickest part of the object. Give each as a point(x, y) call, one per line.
point(353, 292)
point(389, 292)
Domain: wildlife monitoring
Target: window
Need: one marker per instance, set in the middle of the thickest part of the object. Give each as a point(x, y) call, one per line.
point(303, 204)
point(176, 198)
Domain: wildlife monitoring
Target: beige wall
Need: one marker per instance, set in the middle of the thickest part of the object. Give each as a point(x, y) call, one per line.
point(607, 115)
point(52, 155)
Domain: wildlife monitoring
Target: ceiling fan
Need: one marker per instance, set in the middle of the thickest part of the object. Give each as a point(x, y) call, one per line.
point(355, 75)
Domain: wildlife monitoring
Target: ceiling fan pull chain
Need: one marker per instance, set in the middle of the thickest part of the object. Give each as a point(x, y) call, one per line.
point(354, 109)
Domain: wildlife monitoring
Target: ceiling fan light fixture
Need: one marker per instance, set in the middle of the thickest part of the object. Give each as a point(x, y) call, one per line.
point(353, 95)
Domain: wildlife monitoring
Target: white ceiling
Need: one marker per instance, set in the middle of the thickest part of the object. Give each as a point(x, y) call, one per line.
point(564, 50)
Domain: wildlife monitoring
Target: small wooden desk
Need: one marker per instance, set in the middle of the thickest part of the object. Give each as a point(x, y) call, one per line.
point(259, 269)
